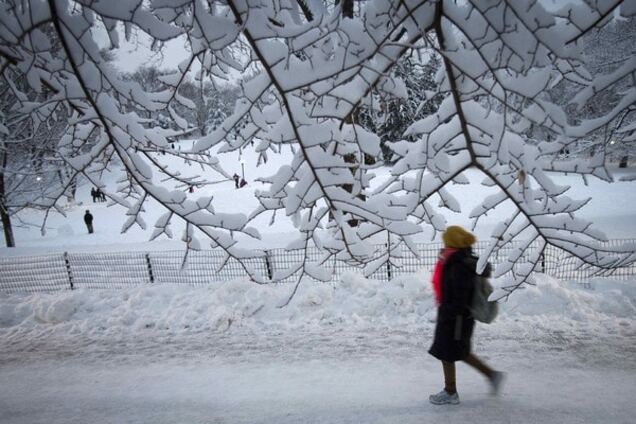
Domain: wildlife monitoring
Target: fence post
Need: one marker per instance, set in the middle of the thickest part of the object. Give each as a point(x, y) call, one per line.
point(68, 270)
point(388, 256)
point(268, 265)
point(152, 277)
point(388, 260)
point(543, 262)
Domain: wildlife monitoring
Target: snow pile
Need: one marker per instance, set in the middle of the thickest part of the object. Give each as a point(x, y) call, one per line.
point(553, 297)
point(357, 302)
point(219, 306)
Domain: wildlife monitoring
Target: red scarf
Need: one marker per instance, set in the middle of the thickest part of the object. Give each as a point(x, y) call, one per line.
point(437, 272)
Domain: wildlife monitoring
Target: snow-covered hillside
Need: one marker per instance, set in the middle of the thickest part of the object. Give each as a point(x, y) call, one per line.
point(611, 209)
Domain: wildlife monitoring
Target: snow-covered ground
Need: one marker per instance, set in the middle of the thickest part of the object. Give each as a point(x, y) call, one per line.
point(351, 389)
point(611, 210)
point(355, 352)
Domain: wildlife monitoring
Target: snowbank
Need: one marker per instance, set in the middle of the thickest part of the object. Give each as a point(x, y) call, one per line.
point(355, 302)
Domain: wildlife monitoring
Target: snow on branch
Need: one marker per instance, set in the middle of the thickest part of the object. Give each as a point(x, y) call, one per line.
point(318, 79)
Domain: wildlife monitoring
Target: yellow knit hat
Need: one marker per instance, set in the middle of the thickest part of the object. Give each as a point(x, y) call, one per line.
point(458, 238)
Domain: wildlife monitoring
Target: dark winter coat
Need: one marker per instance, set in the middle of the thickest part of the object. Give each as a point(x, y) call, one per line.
point(454, 327)
point(88, 218)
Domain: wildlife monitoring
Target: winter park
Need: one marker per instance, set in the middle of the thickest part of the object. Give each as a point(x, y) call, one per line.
point(310, 211)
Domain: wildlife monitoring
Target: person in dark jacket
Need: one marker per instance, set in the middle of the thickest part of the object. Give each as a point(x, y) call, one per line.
point(88, 220)
point(99, 194)
point(453, 286)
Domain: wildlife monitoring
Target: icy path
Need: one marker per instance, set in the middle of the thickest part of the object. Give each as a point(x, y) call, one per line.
point(326, 376)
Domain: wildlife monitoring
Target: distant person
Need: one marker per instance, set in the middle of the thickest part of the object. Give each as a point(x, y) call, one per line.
point(236, 181)
point(521, 177)
point(191, 189)
point(453, 286)
point(88, 220)
point(99, 194)
point(243, 183)
point(93, 194)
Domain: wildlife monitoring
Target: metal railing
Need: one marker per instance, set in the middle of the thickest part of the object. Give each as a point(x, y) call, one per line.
point(125, 269)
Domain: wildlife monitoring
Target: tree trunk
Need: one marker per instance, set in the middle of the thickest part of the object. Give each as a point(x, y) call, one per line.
point(5, 217)
point(6, 225)
point(4, 213)
point(202, 111)
point(347, 8)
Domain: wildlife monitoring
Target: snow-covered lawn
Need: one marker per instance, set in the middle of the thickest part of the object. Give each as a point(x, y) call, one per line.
point(611, 210)
point(351, 353)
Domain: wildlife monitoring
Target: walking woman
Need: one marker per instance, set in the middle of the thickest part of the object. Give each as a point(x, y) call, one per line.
point(453, 286)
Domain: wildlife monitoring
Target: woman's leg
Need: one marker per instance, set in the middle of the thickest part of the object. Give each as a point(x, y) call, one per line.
point(480, 366)
point(448, 396)
point(449, 377)
point(495, 378)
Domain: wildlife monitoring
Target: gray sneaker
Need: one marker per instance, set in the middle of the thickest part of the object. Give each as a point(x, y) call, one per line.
point(496, 382)
point(444, 398)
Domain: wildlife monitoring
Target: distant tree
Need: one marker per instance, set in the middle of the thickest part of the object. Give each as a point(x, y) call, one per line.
point(212, 104)
point(389, 114)
point(197, 104)
point(31, 170)
point(608, 51)
point(149, 79)
point(308, 68)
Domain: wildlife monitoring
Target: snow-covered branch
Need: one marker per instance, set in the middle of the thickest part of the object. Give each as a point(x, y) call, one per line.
point(323, 80)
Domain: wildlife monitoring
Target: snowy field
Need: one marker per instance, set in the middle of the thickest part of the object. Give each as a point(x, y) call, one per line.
point(611, 210)
point(354, 352)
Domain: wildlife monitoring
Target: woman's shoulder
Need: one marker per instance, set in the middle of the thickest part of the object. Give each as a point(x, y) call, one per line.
point(463, 258)
point(462, 255)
